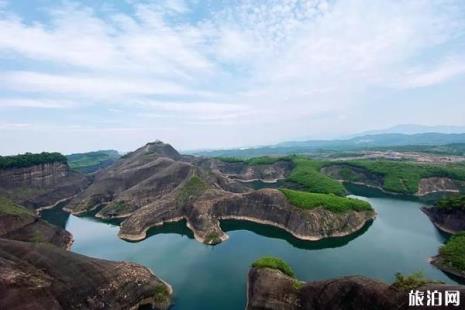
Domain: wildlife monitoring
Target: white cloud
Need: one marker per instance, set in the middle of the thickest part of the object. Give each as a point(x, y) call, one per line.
point(426, 77)
point(35, 103)
point(280, 64)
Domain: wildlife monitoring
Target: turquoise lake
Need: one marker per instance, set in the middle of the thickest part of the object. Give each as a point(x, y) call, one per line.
point(401, 239)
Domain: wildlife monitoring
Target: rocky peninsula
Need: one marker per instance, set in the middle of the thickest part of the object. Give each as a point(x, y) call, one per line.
point(155, 184)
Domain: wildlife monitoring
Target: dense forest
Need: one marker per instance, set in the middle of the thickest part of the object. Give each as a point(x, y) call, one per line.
point(29, 159)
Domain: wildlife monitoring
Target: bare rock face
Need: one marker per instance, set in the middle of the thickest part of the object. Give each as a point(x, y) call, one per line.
point(41, 185)
point(450, 221)
point(357, 175)
point(439, 185)
point(33, 229)
point(154, 185)
point(244, 172)
point(42, 276)
point(270, 289)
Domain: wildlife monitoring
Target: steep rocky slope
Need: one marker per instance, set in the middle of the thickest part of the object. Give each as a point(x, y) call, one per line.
point(41, 185)
point(18, 223)
point(448, 214)
point(447, 220)
point(41, 274)
point(155, 185)
point(269, 289)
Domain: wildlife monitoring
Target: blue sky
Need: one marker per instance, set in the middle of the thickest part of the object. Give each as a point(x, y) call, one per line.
point(86, 75)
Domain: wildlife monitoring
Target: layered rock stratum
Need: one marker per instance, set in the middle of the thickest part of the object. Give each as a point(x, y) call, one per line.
point(155, 184)
point(43, 185)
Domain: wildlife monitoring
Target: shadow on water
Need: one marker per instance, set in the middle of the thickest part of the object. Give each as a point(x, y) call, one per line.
point(179, 228)
point(277, 233)
point(367, 191)
point(56, 216)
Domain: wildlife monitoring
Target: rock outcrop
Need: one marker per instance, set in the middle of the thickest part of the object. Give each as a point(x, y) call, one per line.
point(269, 289)
point(450, 221)
point(42, 276)
point(441, 263)
point(17, 223)
point(155, 185)
point(41, 185)
point(266, 206)
point(245, 172)
point(36, 272)
point(433, 185)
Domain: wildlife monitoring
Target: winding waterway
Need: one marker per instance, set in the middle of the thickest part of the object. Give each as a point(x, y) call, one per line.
point(401, 239)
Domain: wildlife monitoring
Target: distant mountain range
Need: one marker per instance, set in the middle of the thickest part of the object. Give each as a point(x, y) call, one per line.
point(368, 141)
point(411, 129)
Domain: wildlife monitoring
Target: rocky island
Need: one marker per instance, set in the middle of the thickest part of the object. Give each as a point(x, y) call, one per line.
point(272, 285)
point(155, 184)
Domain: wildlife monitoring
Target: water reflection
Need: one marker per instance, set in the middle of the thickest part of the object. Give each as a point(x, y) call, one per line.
point(58, 217)
point(277, 233)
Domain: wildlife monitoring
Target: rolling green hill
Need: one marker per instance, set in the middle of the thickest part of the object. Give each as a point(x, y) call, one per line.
point(92, 161)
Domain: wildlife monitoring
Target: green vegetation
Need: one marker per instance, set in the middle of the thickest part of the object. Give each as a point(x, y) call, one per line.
point(453, 202)
point(254, 161)
point(330, 202)
point(213, 238)
point(161, 293)
point(411, 282)
point(10, 208)
point(307, 173)
point(191, 190)
point(92, 161)
point(453, 252)
point(231, 159)
point(273, 263)
point(29, 159)
point(404, 177)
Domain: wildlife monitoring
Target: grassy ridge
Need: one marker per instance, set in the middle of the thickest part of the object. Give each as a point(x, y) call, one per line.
point(307, 173)
point(262, 160)
point(191, 190)
point(89, 162)
point(453, 252)
point(273, 263)
point(404, 177)
point(29, 159)
point(10, 208)
point(332, 203)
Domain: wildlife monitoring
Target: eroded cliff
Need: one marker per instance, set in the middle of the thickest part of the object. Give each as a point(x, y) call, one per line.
point(41, 185)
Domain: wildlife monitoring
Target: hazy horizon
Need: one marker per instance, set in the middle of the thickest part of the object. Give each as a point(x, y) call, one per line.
point(77, 76)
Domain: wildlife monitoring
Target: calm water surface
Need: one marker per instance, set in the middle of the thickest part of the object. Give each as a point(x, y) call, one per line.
point(214, 277)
